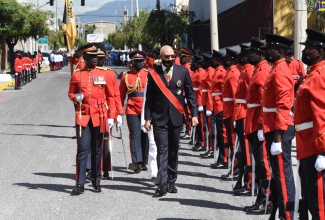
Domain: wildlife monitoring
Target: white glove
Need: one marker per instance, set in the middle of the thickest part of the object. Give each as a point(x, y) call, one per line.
point(79, 97)
point(234, 124)
point(110, 122)
point(143, 129)
point(185, 101)
point(320, 163)
point(276, 148)
point(200, 109)
point(260, 135)
point(208, 113)
point(119, 120)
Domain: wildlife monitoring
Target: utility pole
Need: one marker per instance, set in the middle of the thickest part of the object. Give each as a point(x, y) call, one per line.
point(300, 26)
point(56, 16)
point(131, 10)
point(214, 25)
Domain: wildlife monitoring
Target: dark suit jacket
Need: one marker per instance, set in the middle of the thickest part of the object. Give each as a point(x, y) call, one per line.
point(158, 108)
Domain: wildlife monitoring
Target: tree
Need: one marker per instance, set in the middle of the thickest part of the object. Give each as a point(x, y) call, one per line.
point(21, 22)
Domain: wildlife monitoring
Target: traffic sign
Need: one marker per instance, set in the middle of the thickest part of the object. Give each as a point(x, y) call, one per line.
point(43, 40)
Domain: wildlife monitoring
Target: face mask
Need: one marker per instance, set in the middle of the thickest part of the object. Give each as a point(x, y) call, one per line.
point(306, 59)
point(138, 65)
point(100, 62)
point(168, 63)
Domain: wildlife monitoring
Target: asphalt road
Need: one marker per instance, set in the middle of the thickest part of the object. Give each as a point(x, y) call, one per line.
point(37, 167)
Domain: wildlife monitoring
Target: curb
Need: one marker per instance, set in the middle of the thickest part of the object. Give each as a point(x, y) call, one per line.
point(5, 85)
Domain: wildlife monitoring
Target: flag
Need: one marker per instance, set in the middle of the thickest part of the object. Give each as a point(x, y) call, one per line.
point(319, 6)
point(69, 24)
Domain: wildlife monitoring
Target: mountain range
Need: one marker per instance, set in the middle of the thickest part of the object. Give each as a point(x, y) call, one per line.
point(114, 11)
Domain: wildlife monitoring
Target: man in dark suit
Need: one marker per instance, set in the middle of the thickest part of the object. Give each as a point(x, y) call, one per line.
point(164, 109)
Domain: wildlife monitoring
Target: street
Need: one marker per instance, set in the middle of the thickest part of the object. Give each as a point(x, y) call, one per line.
point(37, 166)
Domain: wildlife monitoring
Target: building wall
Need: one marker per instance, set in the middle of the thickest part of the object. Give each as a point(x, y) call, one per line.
point(284, 18)
point(202, 7)
point(236, 25)
point(103, 27)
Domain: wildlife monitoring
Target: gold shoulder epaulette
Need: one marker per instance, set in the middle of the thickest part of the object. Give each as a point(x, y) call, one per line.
point(101, 68)
point(127, 71)
point(78, 70)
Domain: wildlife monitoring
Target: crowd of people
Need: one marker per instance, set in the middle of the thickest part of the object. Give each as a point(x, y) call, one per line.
point(26, 67)
point(241, 108)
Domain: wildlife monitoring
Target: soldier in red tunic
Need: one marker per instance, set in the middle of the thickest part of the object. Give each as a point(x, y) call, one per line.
point(277, 101)
point(310, 125)
point(228, 98)
point(254, 122)
point(18, 65)
point(215, 95)
point(132, 85)
point(90, 89)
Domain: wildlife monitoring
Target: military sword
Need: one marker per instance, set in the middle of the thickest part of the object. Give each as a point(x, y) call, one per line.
point(126, 164)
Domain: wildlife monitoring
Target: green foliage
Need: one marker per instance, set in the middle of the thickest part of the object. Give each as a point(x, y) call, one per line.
point(151, 29)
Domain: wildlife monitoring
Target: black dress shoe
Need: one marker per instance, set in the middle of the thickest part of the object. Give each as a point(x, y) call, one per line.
point(259, 209)
point(97, 189)
point(190, 142)
point(143, 167)
point(77, 190)
point(161, 190)
point(171, 188)
point(208, 154)
point(199, 148)
point(106, 175)
point(230, 176)
point(244, 191)
point(219, 165)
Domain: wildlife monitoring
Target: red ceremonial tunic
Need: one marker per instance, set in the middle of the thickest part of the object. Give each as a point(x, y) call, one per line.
point(18, 64)
point(196, 82)
point(98, 87)
point(229, 90)
point(240, 95)
point(310, 107)
point(135, 98)
point(206, 84)
point(279, 95)
point(254, 97)
point(215, 93)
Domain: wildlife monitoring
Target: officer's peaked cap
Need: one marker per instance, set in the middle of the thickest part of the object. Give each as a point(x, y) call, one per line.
point(231, 53)
point(90, 48)
point(314, 38)
point(274, 39)
point(207, 56)
point(137, 55)
point(256, 45)
point(186, 52)
point(218, 55)
point(243, 49)
point(196, 59)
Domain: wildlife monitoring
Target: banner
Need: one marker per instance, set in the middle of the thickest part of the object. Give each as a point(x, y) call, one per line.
point(69, 24)
point(319, 6)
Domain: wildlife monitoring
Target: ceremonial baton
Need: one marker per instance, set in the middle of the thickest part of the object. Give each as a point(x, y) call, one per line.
point(126, 164)
point(253, 178)
point(233, 157)
point(110, 148)
point(215, 144)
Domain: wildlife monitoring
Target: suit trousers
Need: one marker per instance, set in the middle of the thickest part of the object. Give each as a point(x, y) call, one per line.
point(91, 139)
point(282, 171)
point(312, 187)
point(138, 140)
point(167, 141)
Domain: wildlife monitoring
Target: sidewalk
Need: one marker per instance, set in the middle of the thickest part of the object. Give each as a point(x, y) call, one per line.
point(4, 85)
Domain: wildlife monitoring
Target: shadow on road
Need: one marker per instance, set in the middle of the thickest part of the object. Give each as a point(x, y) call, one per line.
point(40, 135)
point(203, 203)
point(202, 188)
point(58, 175)
point(52, 187)
point(43, 125)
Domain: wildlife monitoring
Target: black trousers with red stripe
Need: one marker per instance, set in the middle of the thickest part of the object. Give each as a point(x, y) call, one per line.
point(212, 131)
point(262, 165)
point(91, 139)
point(220, 139)
point(313, 187)
point(201, 129)
point(282, 172)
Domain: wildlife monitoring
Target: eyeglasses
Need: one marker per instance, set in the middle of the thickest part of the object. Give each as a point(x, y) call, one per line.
point(169, 56)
